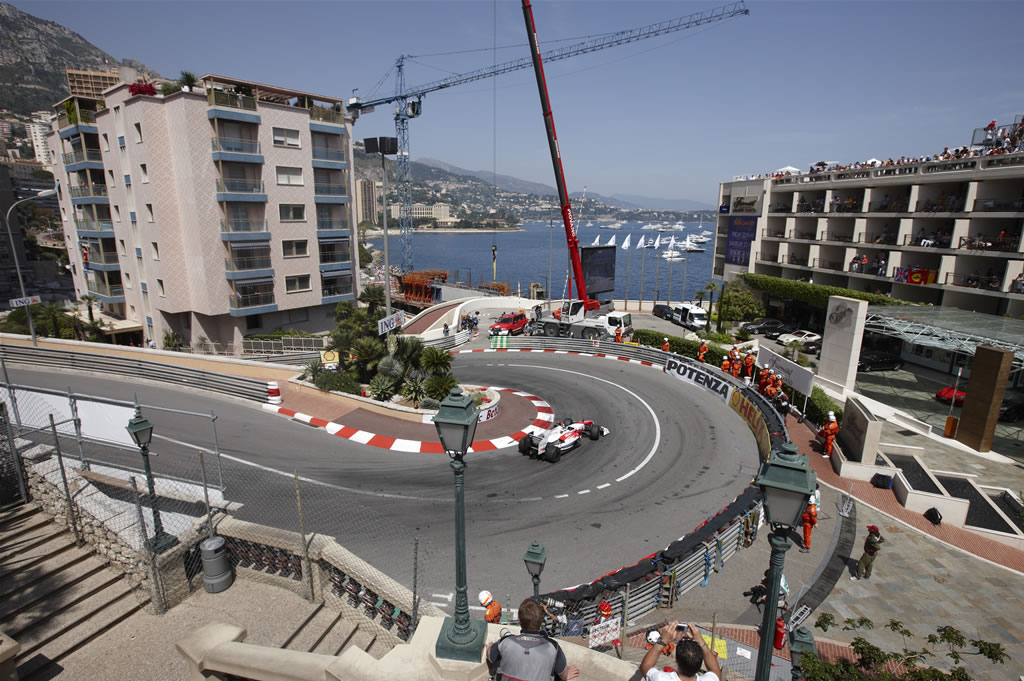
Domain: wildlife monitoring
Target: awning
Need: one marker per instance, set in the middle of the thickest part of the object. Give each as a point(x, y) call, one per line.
point(334, 240)
point(254, 282)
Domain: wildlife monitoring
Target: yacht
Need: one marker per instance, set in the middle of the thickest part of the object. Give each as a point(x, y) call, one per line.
point(672, 254)
point(614, 225)
point(690, 247)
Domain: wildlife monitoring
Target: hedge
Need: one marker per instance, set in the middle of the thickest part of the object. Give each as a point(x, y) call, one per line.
point(812, 294)
point(680, 346)
point(818, 406)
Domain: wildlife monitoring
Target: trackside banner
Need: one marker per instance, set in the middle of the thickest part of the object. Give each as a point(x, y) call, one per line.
point(700, 378)
point(755, 421)
point(792, 373)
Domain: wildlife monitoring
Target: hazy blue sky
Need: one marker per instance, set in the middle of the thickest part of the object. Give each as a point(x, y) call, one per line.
point(790, 84)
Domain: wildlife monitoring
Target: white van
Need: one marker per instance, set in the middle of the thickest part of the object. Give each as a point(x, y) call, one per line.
point(693, 317)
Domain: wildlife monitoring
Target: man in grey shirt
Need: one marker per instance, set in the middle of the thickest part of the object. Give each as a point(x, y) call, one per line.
point(530, 655)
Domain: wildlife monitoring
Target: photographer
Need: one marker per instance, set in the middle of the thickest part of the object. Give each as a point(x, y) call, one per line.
point(691, 653)
point(530, 655)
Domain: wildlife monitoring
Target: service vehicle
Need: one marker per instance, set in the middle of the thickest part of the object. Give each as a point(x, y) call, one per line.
point(663, 311)
point(571, 320)
point(509, 324)
point(693, 317)
point(801, 336)
point(564, 436)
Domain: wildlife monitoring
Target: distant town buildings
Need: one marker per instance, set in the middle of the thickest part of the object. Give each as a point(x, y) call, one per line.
point(366, 202)
point(437, 211)
point(38, 130)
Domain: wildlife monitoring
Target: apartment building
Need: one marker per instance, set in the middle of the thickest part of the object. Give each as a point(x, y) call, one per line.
point(38, 130)
point(438, 211)
point(945, 232)
point(93, 83)
point(214, 213)
point(366, 202)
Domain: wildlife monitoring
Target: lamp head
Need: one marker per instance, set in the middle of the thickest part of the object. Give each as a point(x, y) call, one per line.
point(786, 483)
point(535, 557)
point(456, 422)
point(140, 429)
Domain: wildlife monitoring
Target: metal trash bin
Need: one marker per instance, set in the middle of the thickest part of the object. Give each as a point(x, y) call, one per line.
point(217, 574)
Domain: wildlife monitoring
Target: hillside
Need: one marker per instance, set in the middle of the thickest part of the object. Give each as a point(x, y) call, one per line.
point(33, 55)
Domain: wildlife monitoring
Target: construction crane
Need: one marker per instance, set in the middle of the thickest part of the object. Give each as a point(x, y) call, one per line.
point(409, 100)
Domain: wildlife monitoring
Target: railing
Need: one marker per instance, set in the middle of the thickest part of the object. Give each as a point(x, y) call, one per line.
point(805, 236)
point(984, 282)
point(1004, 161)
point(285, 344)
point(884, 206)
point(79, 156)
point(945, 206)
point(1006, 243)
point(240, 186)
point(104, 289)
point(891, 171)
point(881, 238)
point(261, 262)
point(780, 208)
point(767, 257)
point(102, 257)
point(777, 235)
point(323, 154)
point(246, 388)
point(335, 290)
point(332, 257)
point(243, 226)
point(94, 225)
point(320, 113)
point(84, 190)
point(991, 205)
point(238, 301)
point(816, 207)
point(950, 166)
point(857, 174)
point(928, 241)
point(235, 144)
point(874, 269)
point(329, 189)
point(842, 207)
point(797, 260)
point(838, 236)
point(331, 223)
point(84, 116)
point(822, 264)
point(235, 101)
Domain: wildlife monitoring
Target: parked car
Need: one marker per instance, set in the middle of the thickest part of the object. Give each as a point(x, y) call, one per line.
point(946, 395)
point(811, 348)
point(873, 360)
point(663, 311)
point(763, 325)
point(778, 331)
point(509, 324)
point(1012, 408)
point(801, 336)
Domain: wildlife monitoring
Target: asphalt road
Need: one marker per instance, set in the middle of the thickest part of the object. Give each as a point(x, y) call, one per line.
point(673, 458)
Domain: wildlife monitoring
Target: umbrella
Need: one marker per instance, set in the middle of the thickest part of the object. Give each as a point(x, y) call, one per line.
point(788, 169)
point(872, 162)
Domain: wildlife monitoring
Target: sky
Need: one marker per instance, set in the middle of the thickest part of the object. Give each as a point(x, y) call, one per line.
point(792, 83)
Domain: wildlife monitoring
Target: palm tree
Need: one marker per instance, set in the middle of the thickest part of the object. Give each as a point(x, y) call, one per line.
point(699, 295)
point(89, 299)
point(187, 80)
point(368, 352)
point(373, 298)
point(408, 351)
point(435, 361)
point(53, 312)
point(711, 287)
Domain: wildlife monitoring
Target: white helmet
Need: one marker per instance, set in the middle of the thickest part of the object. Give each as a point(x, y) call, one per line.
point(666, 338)
point(831, 416)
point(653, 637)
point(485, 598)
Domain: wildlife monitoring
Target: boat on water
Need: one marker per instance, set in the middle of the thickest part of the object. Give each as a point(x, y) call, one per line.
point(690, 247)
point(698, 239)
point(589, 224)
point(614, 225)
point(672, 254)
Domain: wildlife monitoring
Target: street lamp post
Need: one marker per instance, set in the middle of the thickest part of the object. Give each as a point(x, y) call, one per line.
point(801, 642)
point(786, 483)
point(384, 145)
point(535, 558)
point(141, 431)
point(14, 255)
point(460, 637)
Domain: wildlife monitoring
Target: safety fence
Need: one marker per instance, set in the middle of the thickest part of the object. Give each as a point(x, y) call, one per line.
point(225, 384)
point(452, 340)
point(283, 345)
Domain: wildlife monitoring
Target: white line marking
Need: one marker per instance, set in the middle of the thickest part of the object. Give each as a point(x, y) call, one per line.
point(439, 605)
point(333, 427)
point(583, 491)
point(607, 484)
point(362, 437)
point(561, 496)
point(406, 446)
point(448, 596)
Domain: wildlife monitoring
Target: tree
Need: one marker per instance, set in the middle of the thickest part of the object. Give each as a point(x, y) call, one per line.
point(439, 385)
point(367, 352)
point(435, 361)
point(89, 299)
point(711, 287)
point(737, 303)
point(54, 312)
point(365, 257)
point(187, 80)
point(373, 298)
point(699, 295)
point(871, 659)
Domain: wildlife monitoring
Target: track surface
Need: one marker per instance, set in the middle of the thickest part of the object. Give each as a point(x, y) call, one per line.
point(674, 457)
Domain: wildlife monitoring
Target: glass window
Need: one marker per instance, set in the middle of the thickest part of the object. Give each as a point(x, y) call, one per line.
point(286, 175)
point(296, 248)
point(299, 282)
point(138, 133)
point(293, 212)
point(283, 137)
point(156, 250)
point(145, 172)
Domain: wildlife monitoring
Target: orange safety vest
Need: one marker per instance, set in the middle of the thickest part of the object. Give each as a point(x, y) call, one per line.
point(748, 366)
point(734, 354)
point(810, 516)
point(493, 614)
point(726, 365)
point(618, 334)
point(701, 351)
point(665, 346)
point(736, 366)
point(830, 429)
point(770, 390)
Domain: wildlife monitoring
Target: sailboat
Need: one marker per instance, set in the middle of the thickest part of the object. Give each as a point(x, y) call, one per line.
point(611, 242)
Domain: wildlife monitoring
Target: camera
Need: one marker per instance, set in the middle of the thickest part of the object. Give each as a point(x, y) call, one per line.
point(681, 627)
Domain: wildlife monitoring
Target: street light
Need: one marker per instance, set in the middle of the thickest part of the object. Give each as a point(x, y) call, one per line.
point(535, 558)
point(384, 145)
point(801, 642)
point(141, 431)
point(17, 265)
point(460, 638)
point(786, 483)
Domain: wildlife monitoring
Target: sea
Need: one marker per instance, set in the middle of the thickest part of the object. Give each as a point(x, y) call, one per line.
point(527, 256)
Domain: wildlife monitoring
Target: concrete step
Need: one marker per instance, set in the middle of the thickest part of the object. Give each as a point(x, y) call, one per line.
point(335, 640)
point(20, 525)
point(52, 596)
point(50, 640)
point(316, 631)
point(364, 637)
point(33, 567)
point(15, 513)
point(32, 534)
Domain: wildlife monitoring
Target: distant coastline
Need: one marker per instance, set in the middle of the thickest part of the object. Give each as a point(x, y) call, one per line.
point(374, 233)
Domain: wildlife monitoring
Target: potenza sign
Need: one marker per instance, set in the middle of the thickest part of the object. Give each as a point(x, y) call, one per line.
point(700, 378)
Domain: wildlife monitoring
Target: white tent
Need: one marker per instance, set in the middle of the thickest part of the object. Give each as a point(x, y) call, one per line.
point(872, 162)
point(788, 169)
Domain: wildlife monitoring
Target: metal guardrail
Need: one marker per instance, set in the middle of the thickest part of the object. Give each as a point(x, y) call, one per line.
point(451, 341)
point(246, 388)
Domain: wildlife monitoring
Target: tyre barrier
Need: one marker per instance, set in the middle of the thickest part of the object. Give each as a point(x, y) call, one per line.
point(692, 560)
point(273, 393)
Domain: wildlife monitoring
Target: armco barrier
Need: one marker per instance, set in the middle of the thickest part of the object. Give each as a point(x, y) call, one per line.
point(237, 386)
point(692, 560)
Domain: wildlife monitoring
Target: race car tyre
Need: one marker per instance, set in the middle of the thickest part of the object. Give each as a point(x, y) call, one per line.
point(552, 454)
point(595, 432)
point(551, 329)
point(524, 445)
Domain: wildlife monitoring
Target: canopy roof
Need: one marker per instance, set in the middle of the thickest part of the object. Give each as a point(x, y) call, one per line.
point(948, 328)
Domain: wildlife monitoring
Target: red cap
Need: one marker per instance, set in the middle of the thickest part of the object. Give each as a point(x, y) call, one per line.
point(873, 529)
point(605, 607)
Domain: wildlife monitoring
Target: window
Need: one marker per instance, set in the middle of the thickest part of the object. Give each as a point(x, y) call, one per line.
point(117, 111)
point(138, 133)
point(110, 179)
point(300, 315)
point(117, 214)
point(127, 280)
point(145, 173)
point(160, 287)
point(253, 322)
point(106, 142)
point(156, 250)
point(293, 212)
point(283, 137)
point(297, 283)
point(286, 175)
point(120, 140)
point(295, 249)
point(149, 212)
point(120, 246)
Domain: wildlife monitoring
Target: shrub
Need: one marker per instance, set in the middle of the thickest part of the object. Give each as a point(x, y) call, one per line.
point(430, 403)
point(439, 385)
point(337, 381)
point(415, 388)
point(436, 361)
point(743, 335)
point(818, 406)
point(382, 388)
point(313, 370)
point(679, 346)
point(391, 367)
point(812, 294)
point(173, 340)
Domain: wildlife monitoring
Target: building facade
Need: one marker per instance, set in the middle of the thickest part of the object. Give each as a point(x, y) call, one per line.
point(366, 202)
point(214, 213)
point(945, 232)
point(91, 83)
point(438, 211)
point(38, 130)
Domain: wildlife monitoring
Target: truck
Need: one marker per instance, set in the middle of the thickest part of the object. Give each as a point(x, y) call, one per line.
point(693, 317)
point(572, 321)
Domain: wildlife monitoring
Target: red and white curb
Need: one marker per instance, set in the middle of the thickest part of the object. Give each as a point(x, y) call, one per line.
point(541, 422)
point(602, 355)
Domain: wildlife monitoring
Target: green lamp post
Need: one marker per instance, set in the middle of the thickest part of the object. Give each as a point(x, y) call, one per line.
point(801, 642)
point(786, 482)
point(141, 431)
point(535, 558)
point(460, 637)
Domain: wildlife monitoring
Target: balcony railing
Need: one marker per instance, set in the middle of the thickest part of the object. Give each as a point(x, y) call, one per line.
point(336, 256)
point(323, 154)
point(806, 236)
point(79, 156)
point(259, 262)
point(928, 240)
point(235, 144)
point(235, 101)
point(84, 190)
point(952, 205)
point(816, 207)
point(842, 207)
point(336, 289)
point(94, 225)
point(239, 301)
point(63, 120)
point(320, 113)
point(875, 268)
point(881, 238)
point(331, 223)
point(243, 225)
point(102, 257)
point(240, 186)
point(887, 206)
point(767, 257)
point(823, 264)
point(780, 208)
point(991, 206)
point(838, 236)
point(981, 242)
point(329, 190)
point(104, 289)
point(774, 234)
point(985, 282)
point(797, 260)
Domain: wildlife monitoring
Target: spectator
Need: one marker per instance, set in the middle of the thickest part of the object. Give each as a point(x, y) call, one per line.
point(691, 652)
point(1018, 284)
point(864, 263)
point(855, 264)
point(446, 329)
point(872, 545)
point(530, 655)
point(492, 614)
point(881, 267)
point(152, 344)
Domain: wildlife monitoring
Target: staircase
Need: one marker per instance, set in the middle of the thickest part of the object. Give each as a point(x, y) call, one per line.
point(324, 631)
point(54, 596)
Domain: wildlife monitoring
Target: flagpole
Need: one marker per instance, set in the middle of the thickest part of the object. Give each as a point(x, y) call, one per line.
point(657, 281)
point(686, 262)
point(628, 258)
point(669, 301)
point(643, 252)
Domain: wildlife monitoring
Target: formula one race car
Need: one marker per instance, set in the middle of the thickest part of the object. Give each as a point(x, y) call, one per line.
point(560, 438)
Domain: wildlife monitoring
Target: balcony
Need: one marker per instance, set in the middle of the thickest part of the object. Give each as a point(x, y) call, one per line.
point(774, 234)
point(321, 113)
point(329, 190)
point(241, 301)
point(1006, 243)
point(101, 228)
point(987, 282)
point(73, 158)
point(845, 207)
point(880, 238)
point(84, 116)
point(823, 264)
point(797, 260)
point(108, 293)
point(993, 206)
point(82, 191)
point(887, 206)
point(324, 154)
point(331, 223)
point(104, 261)
point(236, 149)
point(244, 230)
point(232, 100)
point(241, 190)
point(780, 208)
point(949, 205)
point(839, 236)
point(932, 240)
point(767, 257)
point(247, 264)
point(804, 236)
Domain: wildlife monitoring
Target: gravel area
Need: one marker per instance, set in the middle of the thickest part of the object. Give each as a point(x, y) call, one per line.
point(915, 474)
point(980, 513)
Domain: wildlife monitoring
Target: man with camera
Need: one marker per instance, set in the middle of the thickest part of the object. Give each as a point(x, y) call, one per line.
point(691, 652)
point(530, 655)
